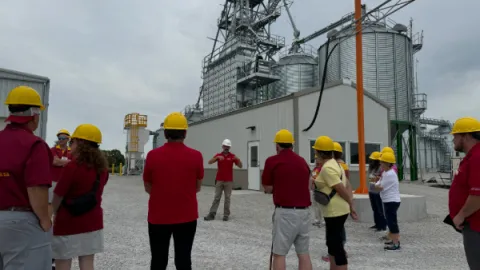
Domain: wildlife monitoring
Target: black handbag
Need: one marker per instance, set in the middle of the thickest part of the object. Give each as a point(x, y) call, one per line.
point(323, 198)
point(85, 203)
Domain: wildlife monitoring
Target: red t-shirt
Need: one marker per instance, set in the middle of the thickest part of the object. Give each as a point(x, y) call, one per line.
point(173, 170)
point(24, 162)
point(465, 183)
point(77, 180)
point(289, 174)
point(225, 167)
point(60, 153)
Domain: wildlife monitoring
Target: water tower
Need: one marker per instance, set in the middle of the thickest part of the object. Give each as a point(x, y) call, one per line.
point(137, 136)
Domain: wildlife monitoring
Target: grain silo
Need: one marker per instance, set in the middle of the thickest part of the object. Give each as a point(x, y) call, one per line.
point(296, 72)
point(387, 64)
point(387, 73)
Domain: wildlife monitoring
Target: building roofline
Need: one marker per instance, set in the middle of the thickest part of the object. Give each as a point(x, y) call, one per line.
point(328, 86)
point(24, 74)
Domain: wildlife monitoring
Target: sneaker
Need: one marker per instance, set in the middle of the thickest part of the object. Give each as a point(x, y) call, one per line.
point(373, 228)
point(225, 218)
point(392, 247)
point(209, 217)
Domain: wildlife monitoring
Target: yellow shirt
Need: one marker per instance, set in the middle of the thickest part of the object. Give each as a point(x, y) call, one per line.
point(328, 177)
point(344, 166)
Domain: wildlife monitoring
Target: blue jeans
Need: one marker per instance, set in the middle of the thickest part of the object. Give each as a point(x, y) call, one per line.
point(377, 208)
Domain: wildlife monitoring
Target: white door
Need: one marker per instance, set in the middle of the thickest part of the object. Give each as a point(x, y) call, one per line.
point(253, 166)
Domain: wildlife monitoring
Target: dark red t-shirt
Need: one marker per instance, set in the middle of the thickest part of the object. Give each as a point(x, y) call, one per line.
point(25, 161)
point(173, 170)
point(289, 174)
point(225, 167)
point(60, 153)
point(77, 180)
point(465, 183)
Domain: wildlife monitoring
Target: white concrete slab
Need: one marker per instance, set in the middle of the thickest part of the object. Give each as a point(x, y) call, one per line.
point(412, 208)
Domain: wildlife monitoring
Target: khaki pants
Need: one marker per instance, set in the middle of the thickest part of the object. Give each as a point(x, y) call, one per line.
point(226, 187)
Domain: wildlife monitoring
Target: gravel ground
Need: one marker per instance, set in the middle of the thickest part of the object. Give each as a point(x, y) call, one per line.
point(244, 242)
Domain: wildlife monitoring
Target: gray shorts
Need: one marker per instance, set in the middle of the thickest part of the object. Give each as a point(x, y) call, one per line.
point(50, 192)
point(23, 243)
point(72, 246)
point(291, 226)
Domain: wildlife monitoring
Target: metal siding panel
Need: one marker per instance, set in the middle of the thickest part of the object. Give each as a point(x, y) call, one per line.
point(10, 80)
point(387, 67)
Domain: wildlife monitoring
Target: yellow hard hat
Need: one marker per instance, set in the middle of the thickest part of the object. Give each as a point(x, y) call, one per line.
point(337, 147)
point(176, 121)
point(24, 95)
point(375, 155)
point(323, 143)
point(387, 149)
point(63, 131)
point(283, 136)
point(88, 132)
point(466, 125)
point(388, 157)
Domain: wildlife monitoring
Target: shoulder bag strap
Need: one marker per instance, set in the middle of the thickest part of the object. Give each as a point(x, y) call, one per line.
point(96, 184)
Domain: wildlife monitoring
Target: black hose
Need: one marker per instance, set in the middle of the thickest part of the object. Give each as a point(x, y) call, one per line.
point(327, 54)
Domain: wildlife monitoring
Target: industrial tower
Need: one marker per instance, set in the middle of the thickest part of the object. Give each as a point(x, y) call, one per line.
point(137, 136)
point(239, 68)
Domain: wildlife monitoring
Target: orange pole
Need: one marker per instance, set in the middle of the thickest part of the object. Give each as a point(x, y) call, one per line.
point(362, 189)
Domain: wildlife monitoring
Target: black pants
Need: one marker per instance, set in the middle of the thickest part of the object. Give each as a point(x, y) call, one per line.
point(471, 243)
point(335, 228)
point(377, 208)
point(183, 236)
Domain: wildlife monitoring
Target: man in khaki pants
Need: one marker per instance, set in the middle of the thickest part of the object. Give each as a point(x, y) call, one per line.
point(224, 179)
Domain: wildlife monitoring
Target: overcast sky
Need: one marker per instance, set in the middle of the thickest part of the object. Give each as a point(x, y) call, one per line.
point(112, 57)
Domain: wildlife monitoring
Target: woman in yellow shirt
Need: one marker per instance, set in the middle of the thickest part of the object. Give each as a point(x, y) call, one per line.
point(332, 177)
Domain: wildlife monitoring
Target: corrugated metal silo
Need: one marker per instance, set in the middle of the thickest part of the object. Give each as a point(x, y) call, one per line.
point(10, 79)
point(297, 72)
point(387, 65)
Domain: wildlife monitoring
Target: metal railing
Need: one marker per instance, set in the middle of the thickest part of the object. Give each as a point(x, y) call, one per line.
point(259, 66)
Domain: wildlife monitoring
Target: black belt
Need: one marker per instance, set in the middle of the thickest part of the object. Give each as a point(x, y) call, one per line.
point(17, 209)
point(291, 207)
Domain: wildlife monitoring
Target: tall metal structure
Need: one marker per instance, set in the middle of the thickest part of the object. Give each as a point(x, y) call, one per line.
point(137, 136)
point(238, 71)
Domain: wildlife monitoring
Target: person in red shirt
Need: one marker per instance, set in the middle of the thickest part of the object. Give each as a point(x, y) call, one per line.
point(61, 156)
point(84, 178)
point(464, 193)
point(224, 179)
point(25, 162)
point(172, 177)
point(287, 176)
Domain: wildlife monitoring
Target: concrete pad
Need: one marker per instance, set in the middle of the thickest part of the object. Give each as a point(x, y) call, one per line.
point(412, 208)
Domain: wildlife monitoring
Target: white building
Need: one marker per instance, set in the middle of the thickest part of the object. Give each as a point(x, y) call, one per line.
point(252, 130)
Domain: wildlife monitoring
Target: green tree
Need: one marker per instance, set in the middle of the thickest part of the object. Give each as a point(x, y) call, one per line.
point(114, 157)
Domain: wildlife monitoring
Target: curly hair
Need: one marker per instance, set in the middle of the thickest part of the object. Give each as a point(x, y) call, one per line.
point(88, 153)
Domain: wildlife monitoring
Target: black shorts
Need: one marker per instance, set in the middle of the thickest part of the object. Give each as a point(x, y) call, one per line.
point(335, 230)
point(391, 209)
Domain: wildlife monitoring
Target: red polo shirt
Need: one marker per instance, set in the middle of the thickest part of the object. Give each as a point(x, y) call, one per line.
point(75, 181)
point(225, 167)
point(289, 174)
point(466, 182)
point(173, 170)
point(25, 161)
point(60, 153)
